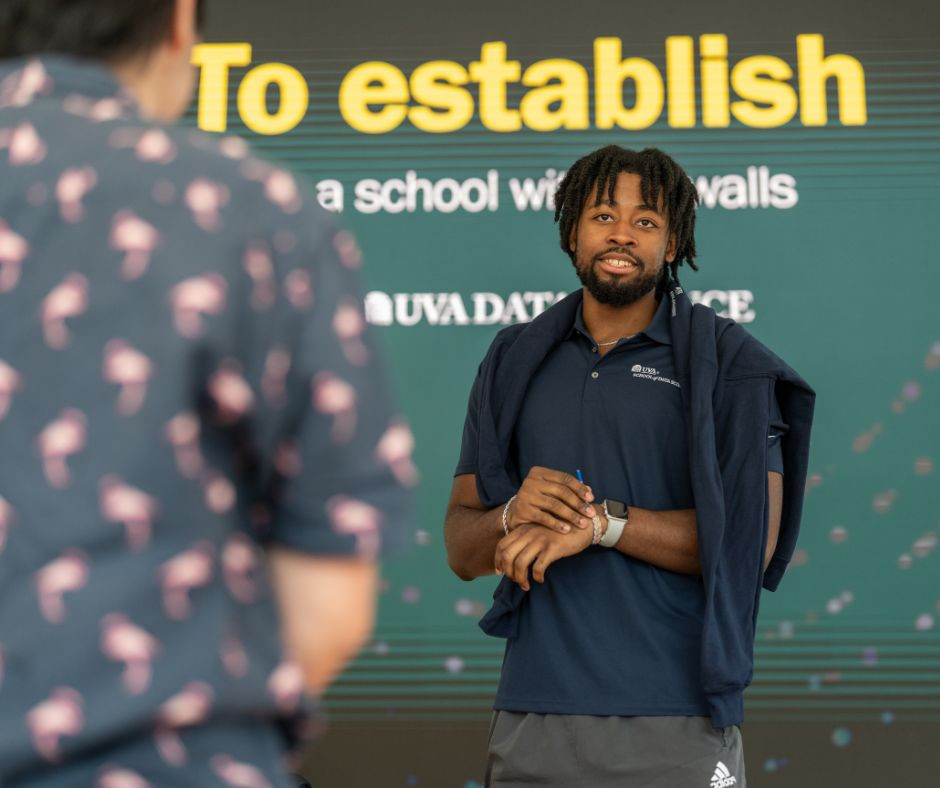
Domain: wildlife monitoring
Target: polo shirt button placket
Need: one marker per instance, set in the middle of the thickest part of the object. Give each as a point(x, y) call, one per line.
point(595, 375)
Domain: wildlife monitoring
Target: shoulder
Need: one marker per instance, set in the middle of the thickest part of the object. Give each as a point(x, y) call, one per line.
point(212, 189)
point(508, 335)
point(229, 165)
point(740, 354)
point(171, 165)
point(543, 331)
point(262, 196)
point(503, 340)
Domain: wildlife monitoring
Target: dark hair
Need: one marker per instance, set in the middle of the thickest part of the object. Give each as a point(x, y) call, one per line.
point(660, 177)
point(109, 30)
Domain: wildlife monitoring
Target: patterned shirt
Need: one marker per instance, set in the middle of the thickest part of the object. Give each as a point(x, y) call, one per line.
point(185, 376)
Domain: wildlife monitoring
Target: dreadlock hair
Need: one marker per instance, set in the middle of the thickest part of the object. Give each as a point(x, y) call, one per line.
point(660, 178)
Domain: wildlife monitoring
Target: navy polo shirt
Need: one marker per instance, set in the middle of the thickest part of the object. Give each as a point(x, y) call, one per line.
point(607, 634)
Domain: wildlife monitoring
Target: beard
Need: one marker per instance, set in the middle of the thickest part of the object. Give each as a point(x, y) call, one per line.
point(615, 293)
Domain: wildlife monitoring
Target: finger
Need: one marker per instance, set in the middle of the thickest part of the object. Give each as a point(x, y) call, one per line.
point(506, 551)
point(563, 492)
point(561, 502)
point(543, 518)
point(522, 562)
point(545, 559)
point(562, 512)
point(551, 500)
point(531, 513)
point(559, 512)
point(582, 491)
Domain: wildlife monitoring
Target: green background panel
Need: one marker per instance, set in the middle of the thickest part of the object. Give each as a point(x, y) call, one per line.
point(847, 681)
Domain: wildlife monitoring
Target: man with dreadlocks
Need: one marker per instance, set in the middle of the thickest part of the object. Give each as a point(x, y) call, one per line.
point(633, 466)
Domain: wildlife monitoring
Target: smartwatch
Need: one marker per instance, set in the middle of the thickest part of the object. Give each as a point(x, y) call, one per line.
point(618, 515)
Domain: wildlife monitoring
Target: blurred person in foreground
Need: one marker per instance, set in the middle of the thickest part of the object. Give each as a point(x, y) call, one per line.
point(634, 466)
point(196, 447)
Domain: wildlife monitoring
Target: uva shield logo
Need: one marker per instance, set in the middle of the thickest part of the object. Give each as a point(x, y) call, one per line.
point(651, 373)
point(722, 778)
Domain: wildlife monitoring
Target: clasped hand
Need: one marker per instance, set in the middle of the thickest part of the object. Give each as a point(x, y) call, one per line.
point(551, 518)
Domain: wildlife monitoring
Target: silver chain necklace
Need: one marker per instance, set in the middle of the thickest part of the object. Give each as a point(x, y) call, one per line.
point(613, 341)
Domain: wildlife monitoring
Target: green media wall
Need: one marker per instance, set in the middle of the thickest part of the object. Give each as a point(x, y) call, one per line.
point(843, 284)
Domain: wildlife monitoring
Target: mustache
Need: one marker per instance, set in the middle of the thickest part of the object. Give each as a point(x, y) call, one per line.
point(621, 251)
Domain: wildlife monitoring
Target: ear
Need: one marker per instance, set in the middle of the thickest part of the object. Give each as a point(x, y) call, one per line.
point(183, 31)
point(671, 245)
point(573, 239)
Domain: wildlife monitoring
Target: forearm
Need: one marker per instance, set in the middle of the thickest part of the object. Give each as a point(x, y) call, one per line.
point(666, 539)
point(327, 610)
point(471, 536)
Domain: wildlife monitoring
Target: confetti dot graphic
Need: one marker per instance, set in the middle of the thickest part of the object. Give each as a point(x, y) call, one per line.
point(887, 717)
point(411, 595)
point(813, 481)
point(923, 466)
point(925, 545)
point(838, 534)
point(933, 356)
point(454, 665)
point(870, 657)
point(468, 607)
point(924, 623)
point(882, 501)
point(863, 442)
point(842, 737)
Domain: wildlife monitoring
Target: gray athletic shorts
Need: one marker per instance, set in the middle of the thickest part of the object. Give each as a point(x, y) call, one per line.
point(576, 751)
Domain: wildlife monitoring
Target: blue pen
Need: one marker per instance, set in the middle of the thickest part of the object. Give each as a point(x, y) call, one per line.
point(580, 477)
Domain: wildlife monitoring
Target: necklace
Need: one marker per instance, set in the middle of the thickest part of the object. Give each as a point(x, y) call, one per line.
point(613, 341)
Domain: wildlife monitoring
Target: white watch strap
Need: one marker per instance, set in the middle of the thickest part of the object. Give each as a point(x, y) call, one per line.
point(615, 528)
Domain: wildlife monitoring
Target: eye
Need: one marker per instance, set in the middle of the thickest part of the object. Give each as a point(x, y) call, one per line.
point(646, 223)
point(603, 217)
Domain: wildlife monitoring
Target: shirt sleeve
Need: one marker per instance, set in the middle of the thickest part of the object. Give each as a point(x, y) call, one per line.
point(467, 462)
point(332, 465)
point(775, 437)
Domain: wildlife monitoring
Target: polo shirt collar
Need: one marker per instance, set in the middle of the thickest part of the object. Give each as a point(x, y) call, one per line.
point(659, 329)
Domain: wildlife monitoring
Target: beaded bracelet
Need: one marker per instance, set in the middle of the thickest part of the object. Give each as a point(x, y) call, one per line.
point(597, 530)
point(505, 513)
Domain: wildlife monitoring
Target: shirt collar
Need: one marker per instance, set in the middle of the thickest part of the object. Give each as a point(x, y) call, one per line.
point(86, 87)
point(659, 329)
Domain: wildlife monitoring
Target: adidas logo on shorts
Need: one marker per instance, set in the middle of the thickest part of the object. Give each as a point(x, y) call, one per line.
point(722, 778)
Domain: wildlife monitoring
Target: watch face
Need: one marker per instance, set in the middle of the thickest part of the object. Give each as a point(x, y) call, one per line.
point(616, 509)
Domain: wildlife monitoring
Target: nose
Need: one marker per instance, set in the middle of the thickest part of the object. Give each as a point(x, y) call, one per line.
point(621, 233)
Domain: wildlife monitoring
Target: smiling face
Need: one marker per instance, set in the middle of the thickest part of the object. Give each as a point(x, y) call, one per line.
point(619, 247)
